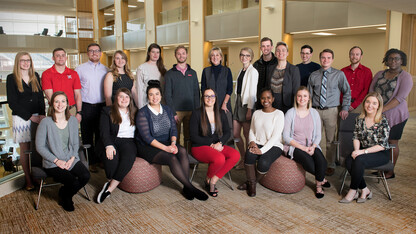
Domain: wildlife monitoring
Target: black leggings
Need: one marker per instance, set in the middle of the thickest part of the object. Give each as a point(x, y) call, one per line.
point(178, 164)
point(356, 166)
point(265, 160)
point(73, 180)
point(314, 164)
point(122, 162)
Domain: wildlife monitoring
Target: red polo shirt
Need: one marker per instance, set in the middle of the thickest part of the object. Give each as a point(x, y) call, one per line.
point(359, 80)
point(67, 82)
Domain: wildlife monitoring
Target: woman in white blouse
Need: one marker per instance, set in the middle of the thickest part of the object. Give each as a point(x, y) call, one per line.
point(265, 141)
point(152, 69)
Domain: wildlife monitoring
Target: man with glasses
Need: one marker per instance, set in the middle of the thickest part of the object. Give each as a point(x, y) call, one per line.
point(61, 78)
point(182, 92)
point(307, 66)
point(92, 75)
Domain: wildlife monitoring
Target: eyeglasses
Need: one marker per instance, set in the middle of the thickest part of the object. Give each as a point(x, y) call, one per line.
point(209, 96)
point(245, 55)
point(396, 59)
point(25, 60)
point(94, 51)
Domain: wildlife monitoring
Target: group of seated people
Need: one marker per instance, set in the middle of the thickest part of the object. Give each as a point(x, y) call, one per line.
point(151, 132)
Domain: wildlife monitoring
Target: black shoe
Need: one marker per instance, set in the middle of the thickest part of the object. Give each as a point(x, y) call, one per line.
point(326, 184)
point(66, 203)
point(188, 193)
point(200, 195)
point(103, 194)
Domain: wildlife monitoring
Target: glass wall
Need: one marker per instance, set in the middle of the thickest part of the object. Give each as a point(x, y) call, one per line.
point(222, 6)
point(30, 24)
point(136, 24)
point(174, 15)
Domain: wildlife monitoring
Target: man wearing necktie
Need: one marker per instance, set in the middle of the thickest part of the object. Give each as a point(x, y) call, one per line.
point(326, 86)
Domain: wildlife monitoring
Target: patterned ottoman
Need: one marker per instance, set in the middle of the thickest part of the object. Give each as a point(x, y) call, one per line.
point(284, 176)
point(142, 177)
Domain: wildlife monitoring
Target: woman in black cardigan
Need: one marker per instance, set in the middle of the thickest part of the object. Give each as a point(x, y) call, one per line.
point(209, 131)
point(25, 98)
point(117, 129)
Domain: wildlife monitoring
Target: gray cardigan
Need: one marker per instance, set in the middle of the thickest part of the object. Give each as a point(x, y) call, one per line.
point(289, 129)
point(49, 143)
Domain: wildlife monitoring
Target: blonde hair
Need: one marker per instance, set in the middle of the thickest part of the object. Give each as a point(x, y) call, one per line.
point(250, 51)
point(310, 100)
point(17, 72)
point(379, 114)
point(215, 49)
point(113, 67)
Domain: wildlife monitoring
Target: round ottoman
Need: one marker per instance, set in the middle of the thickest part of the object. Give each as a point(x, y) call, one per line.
point(284, 176)
point(142, 177)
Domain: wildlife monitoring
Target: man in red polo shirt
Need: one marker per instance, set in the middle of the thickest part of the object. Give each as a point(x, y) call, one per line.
point(359, 78)
point(60, 78)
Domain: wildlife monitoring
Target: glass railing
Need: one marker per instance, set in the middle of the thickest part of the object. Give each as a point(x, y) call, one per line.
point(174, 15)
point(108, 30)
point(222, 6)
point(136, 24)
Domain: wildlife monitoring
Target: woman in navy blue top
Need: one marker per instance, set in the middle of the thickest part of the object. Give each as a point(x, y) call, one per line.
point(156, 140)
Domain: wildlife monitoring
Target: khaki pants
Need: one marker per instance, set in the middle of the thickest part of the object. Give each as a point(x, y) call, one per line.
point(329, 119)
point(184, 117)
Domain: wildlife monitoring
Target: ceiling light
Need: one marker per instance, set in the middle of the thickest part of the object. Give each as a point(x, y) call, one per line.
point(112, 9)
point(235, 41)
point(323, 34)
point(108, 13)
point(132, 6)
point(382, 28)
point(140, 0)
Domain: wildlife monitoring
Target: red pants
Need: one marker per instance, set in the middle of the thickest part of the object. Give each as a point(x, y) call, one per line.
point(219, 162)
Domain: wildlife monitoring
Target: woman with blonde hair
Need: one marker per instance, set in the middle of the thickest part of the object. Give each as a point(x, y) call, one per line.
point(246, 91)
point(25, 98)
point(370, 140)
point(302, 135)
point(118, 77)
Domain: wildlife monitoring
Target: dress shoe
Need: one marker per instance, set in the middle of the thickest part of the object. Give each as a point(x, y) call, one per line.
point(345, 200)
point(362, 200)
point(330, 171)
point(243, 186)
point(326, 184)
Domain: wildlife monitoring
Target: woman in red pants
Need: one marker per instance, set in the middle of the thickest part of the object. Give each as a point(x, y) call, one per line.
point(209, 131)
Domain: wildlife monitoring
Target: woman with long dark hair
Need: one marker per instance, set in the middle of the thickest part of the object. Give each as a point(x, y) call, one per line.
point(152, 69)
point(117, 127)
point(156, 140)
point(209, 131)
point(118, 77)
point(25, 98)
point(57, 141)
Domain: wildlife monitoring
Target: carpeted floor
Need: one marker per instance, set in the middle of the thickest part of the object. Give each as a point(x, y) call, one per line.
point(164, 209)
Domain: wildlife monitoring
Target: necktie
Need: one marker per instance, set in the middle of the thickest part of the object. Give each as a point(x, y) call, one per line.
point(322, 100)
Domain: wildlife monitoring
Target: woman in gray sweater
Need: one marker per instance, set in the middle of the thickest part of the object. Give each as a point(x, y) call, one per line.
point(57, 141)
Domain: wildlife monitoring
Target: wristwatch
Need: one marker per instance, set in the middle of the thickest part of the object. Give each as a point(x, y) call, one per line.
point(79, 112)
point(366, 151)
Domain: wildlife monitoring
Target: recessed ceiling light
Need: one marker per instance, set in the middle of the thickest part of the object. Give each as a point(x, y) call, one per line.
point(108, 13)
point(324, 34)
point(382, 28)
point(140, 0)
point(132, 6)
point(235, 41)
point(112, 9)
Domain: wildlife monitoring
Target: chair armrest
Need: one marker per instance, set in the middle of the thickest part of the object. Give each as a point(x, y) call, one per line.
point(391, 148)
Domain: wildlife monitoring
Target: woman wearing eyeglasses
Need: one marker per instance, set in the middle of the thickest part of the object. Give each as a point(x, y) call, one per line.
point(209, 131)
point(245, 101)
point(394, 85)
point(25, 98)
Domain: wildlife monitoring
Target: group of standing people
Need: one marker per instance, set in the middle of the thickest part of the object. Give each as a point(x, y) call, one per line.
point(280, 108)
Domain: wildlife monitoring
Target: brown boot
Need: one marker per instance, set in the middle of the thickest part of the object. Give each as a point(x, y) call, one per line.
point(251, 178)
point(260, 175)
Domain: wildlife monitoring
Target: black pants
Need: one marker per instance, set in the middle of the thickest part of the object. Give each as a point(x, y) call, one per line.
point(356, 166)
point(265, 160)
point(122, 162)
point(73, 180)
point(90, 129)
point(315, 164)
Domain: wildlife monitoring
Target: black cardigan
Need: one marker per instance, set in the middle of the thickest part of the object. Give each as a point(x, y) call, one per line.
point(196, 132)
point(108, 130)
